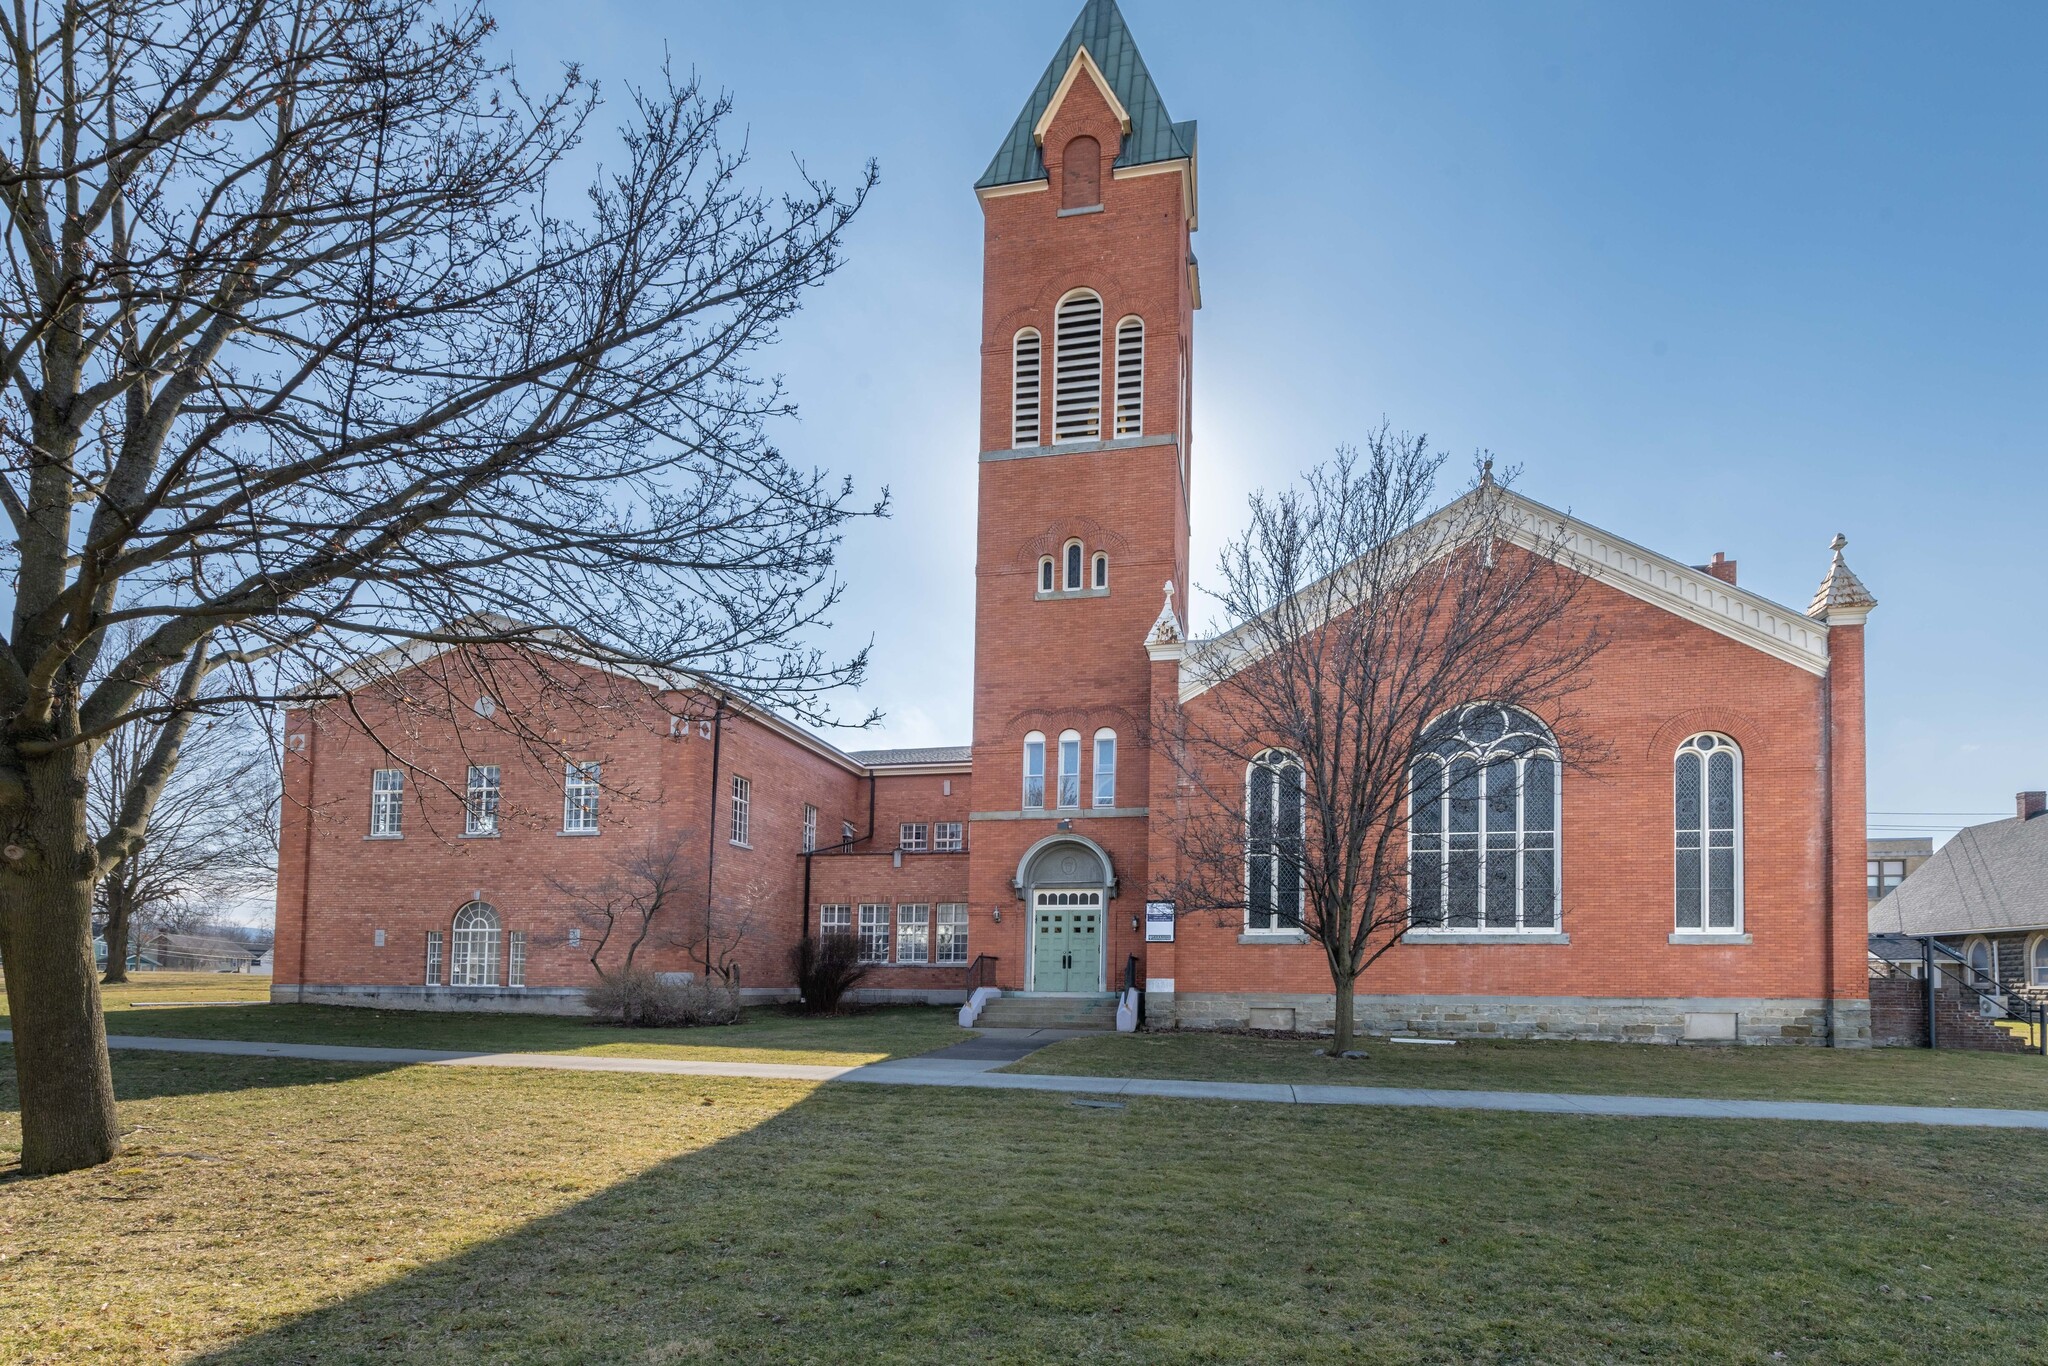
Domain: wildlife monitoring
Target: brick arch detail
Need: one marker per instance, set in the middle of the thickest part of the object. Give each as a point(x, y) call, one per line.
point(1106, 281)
point(1743, 730)
point(1092, 535)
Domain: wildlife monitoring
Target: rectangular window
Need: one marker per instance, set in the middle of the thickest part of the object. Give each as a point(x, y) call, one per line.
point(874, 934)
point(1882, 875)
point(913, 934)
point(952, 933)
point(911, 837)
point(579, 799)
point(433, 958)
point(810, 828)
point(481, 818)
point(949, 837)
point(835, 920)
point(1105, 770)
point(387, 803)
point(1070, 771)
point(515, 958)
point(742, 792)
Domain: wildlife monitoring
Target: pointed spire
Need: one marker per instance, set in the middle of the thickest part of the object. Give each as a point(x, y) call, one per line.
point(1841, 599)
point(1166, 636)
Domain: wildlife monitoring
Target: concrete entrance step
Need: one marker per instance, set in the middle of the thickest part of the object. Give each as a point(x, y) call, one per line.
point(1049, 1012)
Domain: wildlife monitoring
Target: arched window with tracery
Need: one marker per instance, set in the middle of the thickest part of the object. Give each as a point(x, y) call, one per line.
point(1482, 824)
point(1130, 377)
point(1275, 841)
point(1077, 368)
point(1027, 361)
point(1074, 579)
point(1707, 812)
point(473, 949)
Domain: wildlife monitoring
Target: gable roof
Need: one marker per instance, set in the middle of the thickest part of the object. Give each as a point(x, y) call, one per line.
point(1782, 632)
point(1152, 134)
point(1989, 877)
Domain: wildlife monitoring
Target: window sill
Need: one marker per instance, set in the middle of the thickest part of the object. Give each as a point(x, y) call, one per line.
point(1076, 213)
point(479, 835)
point(1709, 937)
point(739, 844)
point(1060, 813)
point(1041, 595)
point(1485, 937)
point(578, 834)
point(1273, 937)
point(383, 837)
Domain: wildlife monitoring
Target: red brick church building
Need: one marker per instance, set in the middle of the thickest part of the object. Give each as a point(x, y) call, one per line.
point(453, 866)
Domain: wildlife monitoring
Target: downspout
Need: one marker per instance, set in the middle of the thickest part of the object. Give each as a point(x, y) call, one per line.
point(809, 854)
point(711, 842)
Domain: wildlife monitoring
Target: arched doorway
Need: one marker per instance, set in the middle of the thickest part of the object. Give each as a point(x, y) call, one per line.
point(1066, 882)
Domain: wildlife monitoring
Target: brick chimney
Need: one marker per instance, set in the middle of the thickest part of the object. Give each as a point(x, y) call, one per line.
point(2031, 804)
point(1721, 567)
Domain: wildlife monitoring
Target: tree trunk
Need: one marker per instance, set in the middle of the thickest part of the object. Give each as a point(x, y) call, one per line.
point(1347, 988)
point(120, 915)
point(60, 1044)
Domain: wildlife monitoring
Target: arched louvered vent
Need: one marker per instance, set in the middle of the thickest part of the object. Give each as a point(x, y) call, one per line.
point(1077, 393)
point(1027, 359)
point(1130, 377)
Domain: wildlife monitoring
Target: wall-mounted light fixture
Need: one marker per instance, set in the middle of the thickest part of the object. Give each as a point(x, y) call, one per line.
point(996, 914)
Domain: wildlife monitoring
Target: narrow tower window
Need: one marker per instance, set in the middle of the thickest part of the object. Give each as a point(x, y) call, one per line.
point(1081, 174)
point(1026, 358)
point(1101, 570)
point(1034, 771)
point(1070, 769)
point(1130, 377)
point(1045, 575)
point(1074, 579)
point(1077, 395)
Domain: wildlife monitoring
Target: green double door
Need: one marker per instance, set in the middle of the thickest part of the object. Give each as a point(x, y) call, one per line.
point(1066, 941)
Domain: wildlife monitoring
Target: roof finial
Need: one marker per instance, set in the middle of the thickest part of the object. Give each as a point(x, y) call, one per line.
point(1166, 629)
point(1841, 599)
point(1837, 544)
point(1486, 473)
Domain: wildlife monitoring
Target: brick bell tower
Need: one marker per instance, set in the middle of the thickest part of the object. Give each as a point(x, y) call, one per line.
point(1089, 290)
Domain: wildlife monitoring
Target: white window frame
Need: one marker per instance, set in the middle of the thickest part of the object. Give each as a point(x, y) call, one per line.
point(914, 934)
point(874, 932)
point(913, 837)
point(1098, 574)
point(810, 828)
point(1970, 946)
point(1703, 748)
point(835, 918)
point(1102, 776)
point(948, 837)
point(1027, 388)
point(387, 804)
point(742, 811)
point(1077, 368)
point(473, 946)
point(949, 934)
point(434, 959)
point(1539, 743)
point(1130, 376)
point(1070, 771)
point(1034, 771)
point(580, 784)
point(515, 958)
point(2037, 960)
point(484, 794)
point(1048, 575)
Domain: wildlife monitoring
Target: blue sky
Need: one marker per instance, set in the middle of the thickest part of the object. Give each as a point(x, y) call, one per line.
point(1729, 277)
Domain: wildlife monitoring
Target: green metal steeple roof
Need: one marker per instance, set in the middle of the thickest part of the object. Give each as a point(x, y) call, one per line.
point(1154, 136)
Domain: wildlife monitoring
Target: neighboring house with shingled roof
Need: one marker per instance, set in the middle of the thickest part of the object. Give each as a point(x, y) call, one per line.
point(1984, 894)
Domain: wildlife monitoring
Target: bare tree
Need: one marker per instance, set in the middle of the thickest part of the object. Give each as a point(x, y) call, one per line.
point(639, 900)
point(1366, 627)
point(212, 835)
point(300, 360)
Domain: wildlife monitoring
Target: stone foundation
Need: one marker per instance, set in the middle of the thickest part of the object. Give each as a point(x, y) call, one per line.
point(562, 1000)
point(1618, 1019)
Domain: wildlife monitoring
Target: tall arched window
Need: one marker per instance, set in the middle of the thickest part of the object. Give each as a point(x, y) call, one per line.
point(1045, 584)
point(1482, 823)
point(1070, 769)
point(1275, 827)
point(1074, 579)
point(473, 952)
point(1081, 174)
point(1027, 359)
point(1034, 771)
point(1105, 768)
point(1130, 377)
point(1707, 810)
point(1077, 369)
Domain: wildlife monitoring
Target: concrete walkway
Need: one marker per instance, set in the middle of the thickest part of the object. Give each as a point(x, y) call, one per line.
point(971, 1065)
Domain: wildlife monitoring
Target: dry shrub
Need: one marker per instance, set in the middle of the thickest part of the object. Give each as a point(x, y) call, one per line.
point(826, 967)
point(644, 1000)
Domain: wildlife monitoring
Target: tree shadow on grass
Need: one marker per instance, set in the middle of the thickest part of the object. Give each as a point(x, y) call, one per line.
point(157, 1076)
point(868, 1225)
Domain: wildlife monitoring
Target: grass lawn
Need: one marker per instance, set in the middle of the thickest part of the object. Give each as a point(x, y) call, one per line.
point(1891, 1076)
point(284, 1211)
point(767, 1034)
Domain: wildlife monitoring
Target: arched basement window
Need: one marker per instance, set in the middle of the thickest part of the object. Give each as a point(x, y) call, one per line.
point(1081, 174)
point(1077, 373)
point(1130, 377)
point(473, 950)
point(1482, 823)
point(1707, 811)
point(1275, 831)
point(1027, 358)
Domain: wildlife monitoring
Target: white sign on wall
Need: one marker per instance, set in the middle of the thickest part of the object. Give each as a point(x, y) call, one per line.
point(1159, 922)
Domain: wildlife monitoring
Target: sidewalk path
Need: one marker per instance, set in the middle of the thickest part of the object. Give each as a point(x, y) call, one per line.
point(969, 1065)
